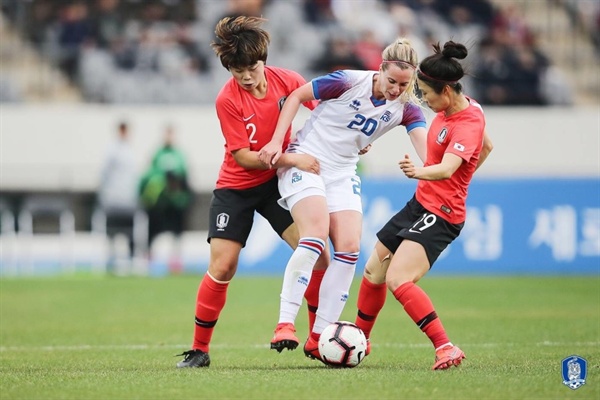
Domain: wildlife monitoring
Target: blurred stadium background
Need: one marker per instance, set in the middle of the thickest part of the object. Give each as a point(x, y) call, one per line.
point(72, 70)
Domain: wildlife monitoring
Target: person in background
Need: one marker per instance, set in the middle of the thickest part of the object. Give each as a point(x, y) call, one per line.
point(355, 109)
point(247, 107)
point(117, 195)
point(166, 194)
point(412, 240)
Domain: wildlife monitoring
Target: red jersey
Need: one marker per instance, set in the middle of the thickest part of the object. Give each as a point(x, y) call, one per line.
point(460, 134)
point(250, 122)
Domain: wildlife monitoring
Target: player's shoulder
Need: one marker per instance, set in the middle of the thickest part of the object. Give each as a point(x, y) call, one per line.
point(474, 108)
point(413, 110)
point(229, 89)
point(284, 74)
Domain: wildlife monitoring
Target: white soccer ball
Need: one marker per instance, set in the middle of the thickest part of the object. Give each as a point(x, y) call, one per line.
point(342, 344)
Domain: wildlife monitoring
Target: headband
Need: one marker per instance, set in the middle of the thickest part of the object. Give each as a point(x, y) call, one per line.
point(399, 61)
point(435, 79)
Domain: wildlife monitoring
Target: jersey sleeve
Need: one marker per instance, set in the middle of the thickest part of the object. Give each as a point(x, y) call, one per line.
point(232, 126)
point(331, 86)
point(413, 117)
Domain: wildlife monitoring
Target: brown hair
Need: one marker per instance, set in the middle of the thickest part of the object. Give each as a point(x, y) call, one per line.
point(241, 42)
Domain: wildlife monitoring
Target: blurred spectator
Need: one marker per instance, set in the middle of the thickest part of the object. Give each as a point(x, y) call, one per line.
point(481, 12)
point(339, 54)
point(250, 8)
point(117, 194)
point(107, 23)
point(508, 76)
point(165, 192)
point(318, 12)
point(368, 49)
point(119, 176)
point(74, 31)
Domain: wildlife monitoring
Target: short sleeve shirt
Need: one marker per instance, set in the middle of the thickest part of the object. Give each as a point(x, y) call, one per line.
point(248, 122)
point(460, 134)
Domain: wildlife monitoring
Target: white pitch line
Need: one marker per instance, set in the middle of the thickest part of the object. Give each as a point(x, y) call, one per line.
point(87, 347)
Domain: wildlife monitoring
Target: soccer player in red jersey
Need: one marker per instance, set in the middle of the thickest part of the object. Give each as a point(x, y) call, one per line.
point(411, 241)
point(248, 107)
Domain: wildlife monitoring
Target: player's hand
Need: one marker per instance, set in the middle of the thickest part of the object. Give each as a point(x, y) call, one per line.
point(307, 163)
point(365, 150)
point(407, 166)
point(270, 153)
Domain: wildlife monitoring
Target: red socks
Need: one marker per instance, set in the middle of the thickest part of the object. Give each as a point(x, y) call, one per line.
point(209, 303)
point(420, 308)
point(371, 298)
point(312, 296)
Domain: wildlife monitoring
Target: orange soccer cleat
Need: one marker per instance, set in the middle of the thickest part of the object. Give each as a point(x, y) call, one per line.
point(284, 338)
point(448, 356)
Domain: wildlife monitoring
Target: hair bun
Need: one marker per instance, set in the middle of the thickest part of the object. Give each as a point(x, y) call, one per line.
point(454, 50)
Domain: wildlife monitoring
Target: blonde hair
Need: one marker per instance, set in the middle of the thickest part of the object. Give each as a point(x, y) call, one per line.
point(401, 53)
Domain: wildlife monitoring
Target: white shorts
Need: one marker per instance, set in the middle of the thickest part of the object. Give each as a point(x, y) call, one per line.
point(342, 193)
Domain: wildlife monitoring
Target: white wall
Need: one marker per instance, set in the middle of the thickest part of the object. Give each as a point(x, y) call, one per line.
point(61, 147)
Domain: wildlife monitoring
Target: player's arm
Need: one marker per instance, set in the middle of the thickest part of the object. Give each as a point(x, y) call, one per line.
point(271, 152)
point(486, 149)
point(249, 159)
point(444, 170)
point(418, 138)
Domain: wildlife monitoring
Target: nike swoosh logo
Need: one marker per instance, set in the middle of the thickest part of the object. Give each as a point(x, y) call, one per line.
point(247, 118)
point(413, 231)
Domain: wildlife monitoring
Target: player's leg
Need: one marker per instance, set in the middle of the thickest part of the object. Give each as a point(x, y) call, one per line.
point(422, 244)
point(345, 215)
point(345, 233)
point(304, 194)
point(230, 220)
point(372, 291)
point(310, 214)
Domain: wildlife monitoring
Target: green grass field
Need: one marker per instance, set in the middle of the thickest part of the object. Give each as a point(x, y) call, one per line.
point(115, 338)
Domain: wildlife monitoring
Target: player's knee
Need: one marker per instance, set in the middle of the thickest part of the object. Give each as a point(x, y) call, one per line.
point(222, 268)
point(376, 270)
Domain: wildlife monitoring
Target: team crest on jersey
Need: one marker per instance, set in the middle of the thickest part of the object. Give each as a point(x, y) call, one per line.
point(442, 135)
point(355, 105)
point(574, 371)
point(222, 221)
point(296, 177)
point(386, 116)
point(281, 101)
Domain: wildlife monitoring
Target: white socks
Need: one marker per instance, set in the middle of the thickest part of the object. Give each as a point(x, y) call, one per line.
point(334, 289)
point(297, 276)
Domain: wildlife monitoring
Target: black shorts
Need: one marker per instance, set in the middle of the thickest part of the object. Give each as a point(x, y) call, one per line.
point(231, 211)
point(416, 223)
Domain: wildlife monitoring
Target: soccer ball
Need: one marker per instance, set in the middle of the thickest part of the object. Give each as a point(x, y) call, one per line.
point(342, 344)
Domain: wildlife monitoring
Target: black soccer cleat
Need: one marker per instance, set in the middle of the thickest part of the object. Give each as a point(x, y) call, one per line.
point(284, 344)
point(194, 359)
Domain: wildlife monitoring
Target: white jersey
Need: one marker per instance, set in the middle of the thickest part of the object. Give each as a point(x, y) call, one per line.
point(348, 118)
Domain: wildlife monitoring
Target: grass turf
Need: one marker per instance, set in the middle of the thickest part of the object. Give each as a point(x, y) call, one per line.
point(115, 338)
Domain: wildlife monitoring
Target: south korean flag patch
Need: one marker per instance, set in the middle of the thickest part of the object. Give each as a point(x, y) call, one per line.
point(459, 147)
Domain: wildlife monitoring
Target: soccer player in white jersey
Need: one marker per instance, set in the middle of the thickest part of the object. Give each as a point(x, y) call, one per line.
point(355, 108)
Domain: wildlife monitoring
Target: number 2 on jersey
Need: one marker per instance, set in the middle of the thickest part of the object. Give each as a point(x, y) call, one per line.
point(252, 128)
